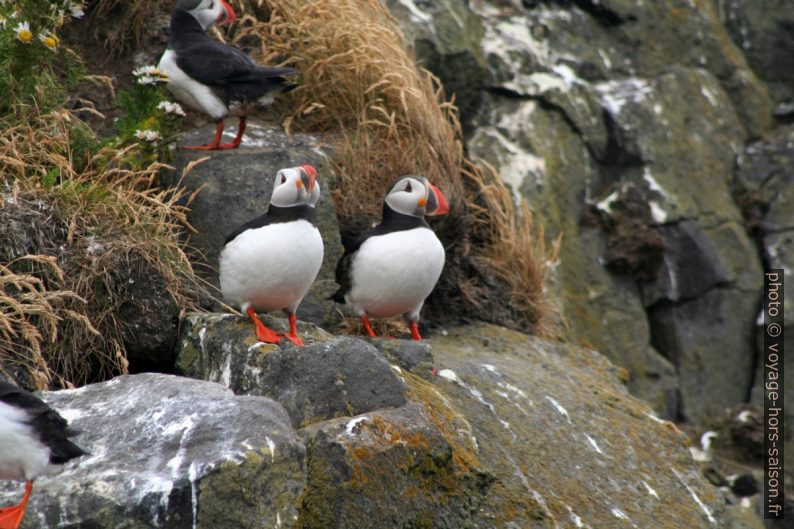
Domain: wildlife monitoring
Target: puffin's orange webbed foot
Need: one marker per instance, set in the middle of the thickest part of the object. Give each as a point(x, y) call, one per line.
point(292, 336)
point(368, 326)
point(414, 331)
point(214, 145)
point(11, 517)
point(263, 333)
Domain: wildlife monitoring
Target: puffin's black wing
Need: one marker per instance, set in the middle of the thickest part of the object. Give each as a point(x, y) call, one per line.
point(218, 65)
point(51, 428)
point(345, 264)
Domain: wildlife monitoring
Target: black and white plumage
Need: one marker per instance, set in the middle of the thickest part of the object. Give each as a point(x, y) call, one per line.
point(212, 77)
point(271, 262)
point(32, 436)
point(394, 266)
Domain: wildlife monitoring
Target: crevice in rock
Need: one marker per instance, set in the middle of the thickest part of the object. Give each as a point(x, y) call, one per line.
point(600, 13)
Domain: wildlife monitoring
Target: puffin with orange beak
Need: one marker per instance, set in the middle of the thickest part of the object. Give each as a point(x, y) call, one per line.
point(32, 436)
point(214, 78)
point(394, 266)
point(271, 262)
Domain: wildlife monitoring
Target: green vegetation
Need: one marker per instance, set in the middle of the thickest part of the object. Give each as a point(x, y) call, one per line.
point(37, 70)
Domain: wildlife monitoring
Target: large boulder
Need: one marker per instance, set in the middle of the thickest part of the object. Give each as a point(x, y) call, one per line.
point(566, 442)
point(333, 377)
point(167, 451)
point(499, 436)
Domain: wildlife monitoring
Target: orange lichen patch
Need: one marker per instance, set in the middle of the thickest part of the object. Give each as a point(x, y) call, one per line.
point(448, 421)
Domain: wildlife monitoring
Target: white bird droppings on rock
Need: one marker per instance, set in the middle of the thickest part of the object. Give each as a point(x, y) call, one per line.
point(272, 447)
point(594, 444)
point(351, 426)
point(559, 408)
point(449, 375)
point(651, 490)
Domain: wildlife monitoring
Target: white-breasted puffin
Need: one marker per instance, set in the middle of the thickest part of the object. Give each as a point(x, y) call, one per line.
point(271, 262)
point(394, 266)
point(32, 435)
point(214, 78)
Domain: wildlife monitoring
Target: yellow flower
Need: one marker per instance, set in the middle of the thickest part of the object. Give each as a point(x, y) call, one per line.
point(23, 32)
point(50, 40)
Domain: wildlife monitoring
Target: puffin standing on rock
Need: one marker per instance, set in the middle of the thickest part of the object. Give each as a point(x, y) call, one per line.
point(393, 267)
point(214, 78)
point(32, 435)
point(271, 262)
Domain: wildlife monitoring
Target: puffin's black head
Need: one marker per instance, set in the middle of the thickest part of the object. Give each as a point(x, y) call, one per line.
point(296, 186)
point(208, 12)
point(416, 196)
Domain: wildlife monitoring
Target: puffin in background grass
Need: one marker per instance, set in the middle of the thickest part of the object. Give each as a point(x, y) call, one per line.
point(394, 266)
point(32, 435)
point(214, 78)
point(271, 262)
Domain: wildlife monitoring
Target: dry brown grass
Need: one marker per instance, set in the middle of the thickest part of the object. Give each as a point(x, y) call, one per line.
point(392, 118)
point(97, 216)
point(31, 314)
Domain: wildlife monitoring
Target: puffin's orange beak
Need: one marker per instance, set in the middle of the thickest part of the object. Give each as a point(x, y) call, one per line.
point(229, 16)
point(436, 202)
point(308, 176)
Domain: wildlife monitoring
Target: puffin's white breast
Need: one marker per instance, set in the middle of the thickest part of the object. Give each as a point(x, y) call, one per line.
point(189, 91)
point(272, 267)
point(392, 274)
point(22, 455)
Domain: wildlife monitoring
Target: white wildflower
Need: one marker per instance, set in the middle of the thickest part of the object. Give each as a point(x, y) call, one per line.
point(148, 135)
point(150, 75)
point(171, 108)
point(50, 40)
point(23, 32)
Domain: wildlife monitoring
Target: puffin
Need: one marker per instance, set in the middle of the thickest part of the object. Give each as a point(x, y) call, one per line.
point(271, 262)
point(32, 435)
point(392, 267)
point(214, 78)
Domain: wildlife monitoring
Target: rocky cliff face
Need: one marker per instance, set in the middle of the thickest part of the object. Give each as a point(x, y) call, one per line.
point(621, 123)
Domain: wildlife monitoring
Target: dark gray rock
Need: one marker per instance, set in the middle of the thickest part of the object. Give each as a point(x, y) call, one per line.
point(169, 452)
point(340, 377)
point(446, 37)
point(763, 31)
point(235, 187)
point(764, 184)
point(710, 341)
point(223, 347)
point(333, 377)
point(149, 316)
point(411, 355)
point(691, 266)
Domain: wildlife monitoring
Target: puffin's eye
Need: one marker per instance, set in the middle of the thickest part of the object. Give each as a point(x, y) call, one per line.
point(283, 178)
point(407, 187)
